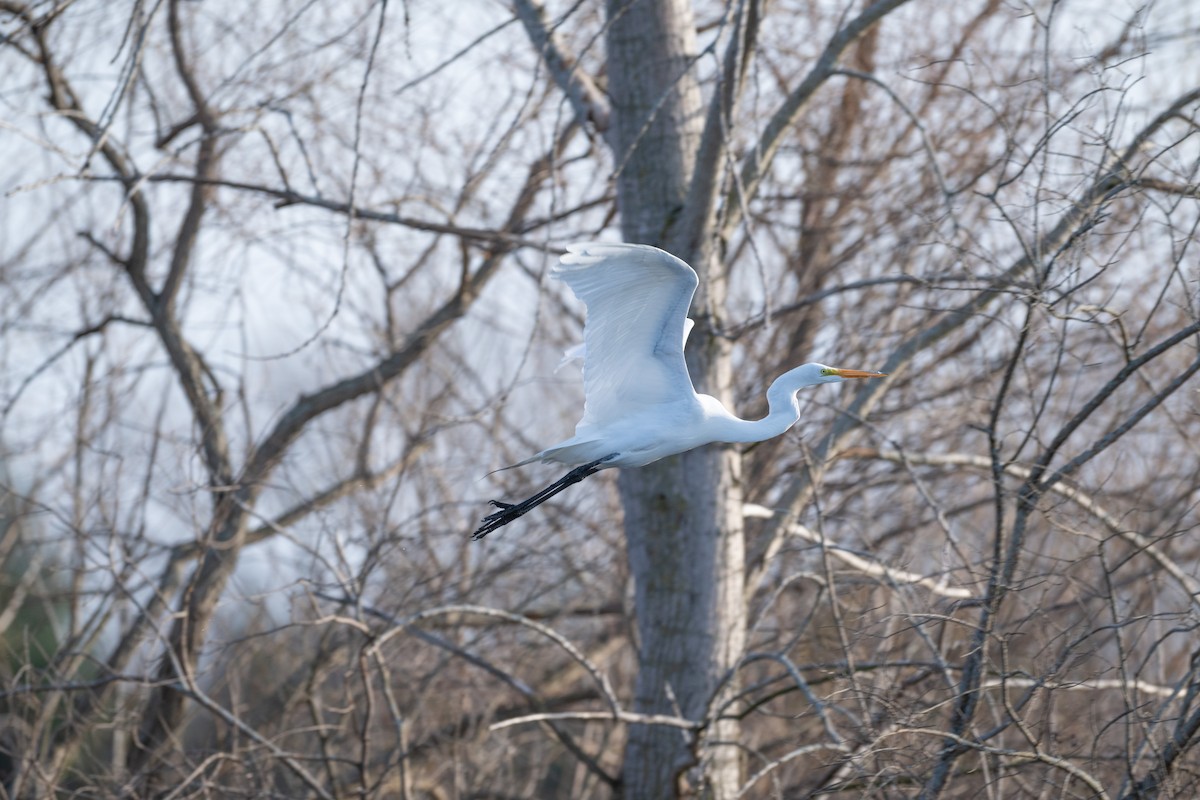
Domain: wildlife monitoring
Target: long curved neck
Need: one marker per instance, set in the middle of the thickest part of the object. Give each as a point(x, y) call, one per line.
point(783, 412)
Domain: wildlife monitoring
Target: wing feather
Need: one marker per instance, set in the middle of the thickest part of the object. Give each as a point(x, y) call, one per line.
point(637, 300)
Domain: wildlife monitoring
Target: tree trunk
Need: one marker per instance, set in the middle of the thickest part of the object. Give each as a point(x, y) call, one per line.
point(682, 515)
point(686, 555)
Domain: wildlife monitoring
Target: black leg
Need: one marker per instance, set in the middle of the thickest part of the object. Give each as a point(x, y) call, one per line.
point(510, 511)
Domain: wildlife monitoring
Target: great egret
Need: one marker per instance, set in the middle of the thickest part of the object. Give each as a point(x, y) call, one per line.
point(639, 402)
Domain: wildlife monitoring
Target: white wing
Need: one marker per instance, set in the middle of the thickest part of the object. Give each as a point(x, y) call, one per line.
point(575, 353)
point(637, 300)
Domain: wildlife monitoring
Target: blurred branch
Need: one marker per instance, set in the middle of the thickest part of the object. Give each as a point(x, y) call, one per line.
point(187, 363)
point(1076, 220)
point(1004, 565)
point(189, 368)
point(1140, 542)
point(1167, 187)
point(310, 406)
point(759, 158)
point(500, 238)
point(189, 228)
point(791, 755)
point(620, 715)
point(1110, 438)
point(360, 481)
point(890, 574)
point(63, 99)
point(587, 101)
point(1008, 548)
point(759, 320)
point(1023, 755)
point(793, 672)
point(164, 712)
point(51, 359)
point(705, 184)
point(291, 760)
point(1182, 740)
point(407, 625)
point(599, 677)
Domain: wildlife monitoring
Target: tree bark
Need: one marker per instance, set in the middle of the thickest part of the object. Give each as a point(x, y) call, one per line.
point(683, 520)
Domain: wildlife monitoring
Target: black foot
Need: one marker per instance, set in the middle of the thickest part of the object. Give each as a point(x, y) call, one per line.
point(498, 519)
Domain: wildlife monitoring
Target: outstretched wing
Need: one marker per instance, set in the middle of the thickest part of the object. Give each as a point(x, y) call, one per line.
point(637, 300)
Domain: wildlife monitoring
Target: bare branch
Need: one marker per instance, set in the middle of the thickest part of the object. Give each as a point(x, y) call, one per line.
point(621, 715)
point(1142, 543)
point(287, 197)
point(189, 228)
point(587, 101)
point(758, 159)
point(1074, 222)
point(863, 565)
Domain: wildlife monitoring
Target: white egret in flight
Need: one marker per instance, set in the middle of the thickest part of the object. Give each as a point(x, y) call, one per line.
point(639, 402)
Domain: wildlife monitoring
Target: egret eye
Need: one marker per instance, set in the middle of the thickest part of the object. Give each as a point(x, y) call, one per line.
point(826, 371)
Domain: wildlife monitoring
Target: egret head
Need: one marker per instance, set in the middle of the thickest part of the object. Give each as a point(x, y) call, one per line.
point(783, 391)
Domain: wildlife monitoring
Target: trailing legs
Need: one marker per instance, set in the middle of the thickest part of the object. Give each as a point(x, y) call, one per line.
point(510, 511)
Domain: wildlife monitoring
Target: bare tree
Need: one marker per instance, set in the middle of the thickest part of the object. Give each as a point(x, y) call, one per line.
point(274, 299)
